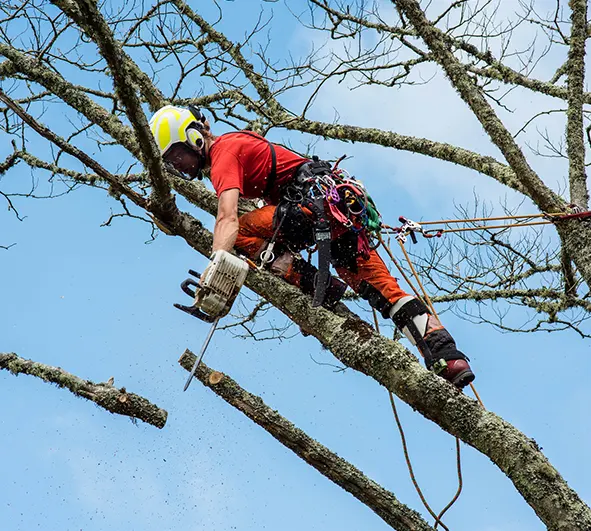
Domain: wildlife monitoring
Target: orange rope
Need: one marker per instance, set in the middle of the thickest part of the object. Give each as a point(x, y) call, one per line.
point(393, 230)
point(485, 227)
point(428, 301)
point(414, 272)
point(410, 469)
point(499, 218)
point(460, 484)
point(407, 456)
point(402, 272)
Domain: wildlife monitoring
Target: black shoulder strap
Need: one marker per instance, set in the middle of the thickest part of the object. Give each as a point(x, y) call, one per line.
point(272, 177)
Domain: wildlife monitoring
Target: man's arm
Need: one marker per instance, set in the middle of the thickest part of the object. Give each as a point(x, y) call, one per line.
point(226, 223)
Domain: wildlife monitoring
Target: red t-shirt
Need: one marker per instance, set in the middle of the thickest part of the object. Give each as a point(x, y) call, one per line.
point(242, 161)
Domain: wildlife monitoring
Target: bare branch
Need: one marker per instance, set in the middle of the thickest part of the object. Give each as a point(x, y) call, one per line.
point(85, 13)
point(468, 90)
point(75, 152)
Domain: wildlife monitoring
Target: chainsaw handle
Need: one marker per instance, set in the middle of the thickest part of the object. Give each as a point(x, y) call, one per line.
point(185, 286)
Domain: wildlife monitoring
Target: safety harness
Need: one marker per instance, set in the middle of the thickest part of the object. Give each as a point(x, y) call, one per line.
point(322, 207)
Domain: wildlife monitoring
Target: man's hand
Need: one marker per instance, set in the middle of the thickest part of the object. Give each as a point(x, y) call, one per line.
point(226, 223)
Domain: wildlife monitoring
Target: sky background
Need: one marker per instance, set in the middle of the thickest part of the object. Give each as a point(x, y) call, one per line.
point(97, 301)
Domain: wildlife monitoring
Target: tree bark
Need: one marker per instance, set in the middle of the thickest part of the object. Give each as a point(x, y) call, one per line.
point(575, 135)
point(358, 346)
point(330, 465)
point(115, 400)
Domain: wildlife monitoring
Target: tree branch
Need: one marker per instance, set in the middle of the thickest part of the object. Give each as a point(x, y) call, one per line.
point(233, 50)
point(496, 69)
point(74, 151)
point(383, 502)
point(115, 400)
point(439, 150)
point(545, 198)
point(86, 14)
point(575, 135)
point(72, 96)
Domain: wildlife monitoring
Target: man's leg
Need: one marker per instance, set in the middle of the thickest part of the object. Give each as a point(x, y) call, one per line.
point(410, 315)
point(256, 230)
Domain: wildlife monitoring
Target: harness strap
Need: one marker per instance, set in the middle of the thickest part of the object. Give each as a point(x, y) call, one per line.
point(323, 238)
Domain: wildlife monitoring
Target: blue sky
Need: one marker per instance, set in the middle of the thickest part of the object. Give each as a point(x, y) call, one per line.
point(97, 301)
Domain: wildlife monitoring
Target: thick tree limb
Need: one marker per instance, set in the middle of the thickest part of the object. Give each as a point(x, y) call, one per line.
point(575, 135)
point(383, 502)
point(358, 346)
point(115, 400)
point(545, 198)
point(439, 150)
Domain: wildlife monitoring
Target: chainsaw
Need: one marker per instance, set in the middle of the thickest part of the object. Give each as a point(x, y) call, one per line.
point(213, 293)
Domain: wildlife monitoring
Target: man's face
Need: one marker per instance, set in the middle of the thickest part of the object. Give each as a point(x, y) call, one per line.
point(184, 159)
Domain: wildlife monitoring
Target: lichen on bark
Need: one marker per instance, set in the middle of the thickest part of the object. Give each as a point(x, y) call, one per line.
point(105, 395)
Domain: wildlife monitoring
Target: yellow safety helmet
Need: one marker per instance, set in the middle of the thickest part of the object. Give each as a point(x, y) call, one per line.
point(177, 125)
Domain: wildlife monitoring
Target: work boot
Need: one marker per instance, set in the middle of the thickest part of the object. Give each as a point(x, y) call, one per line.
point(443, 358)
point(413, 319)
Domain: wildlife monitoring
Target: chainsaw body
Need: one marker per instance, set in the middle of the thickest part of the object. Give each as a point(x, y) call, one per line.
point(216, 289)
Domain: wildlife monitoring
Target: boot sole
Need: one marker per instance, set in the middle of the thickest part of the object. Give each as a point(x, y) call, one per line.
point(463, 379)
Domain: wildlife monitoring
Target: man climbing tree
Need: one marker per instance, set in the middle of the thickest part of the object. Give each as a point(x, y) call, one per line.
point(80, 81)
point(308, 203)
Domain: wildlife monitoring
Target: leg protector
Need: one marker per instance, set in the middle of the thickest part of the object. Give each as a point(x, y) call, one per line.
point(413, 319)
point(334, 291)
point(424, 330)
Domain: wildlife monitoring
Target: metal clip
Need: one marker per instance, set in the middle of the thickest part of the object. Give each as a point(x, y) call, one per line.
point(267, 256)
point(409, 227)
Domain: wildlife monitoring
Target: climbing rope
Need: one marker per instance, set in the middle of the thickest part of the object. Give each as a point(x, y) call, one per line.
point(437, 517)
point(424, 296)
point(410, 228)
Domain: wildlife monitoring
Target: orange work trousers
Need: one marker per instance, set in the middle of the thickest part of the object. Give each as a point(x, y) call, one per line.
point(256, 228)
